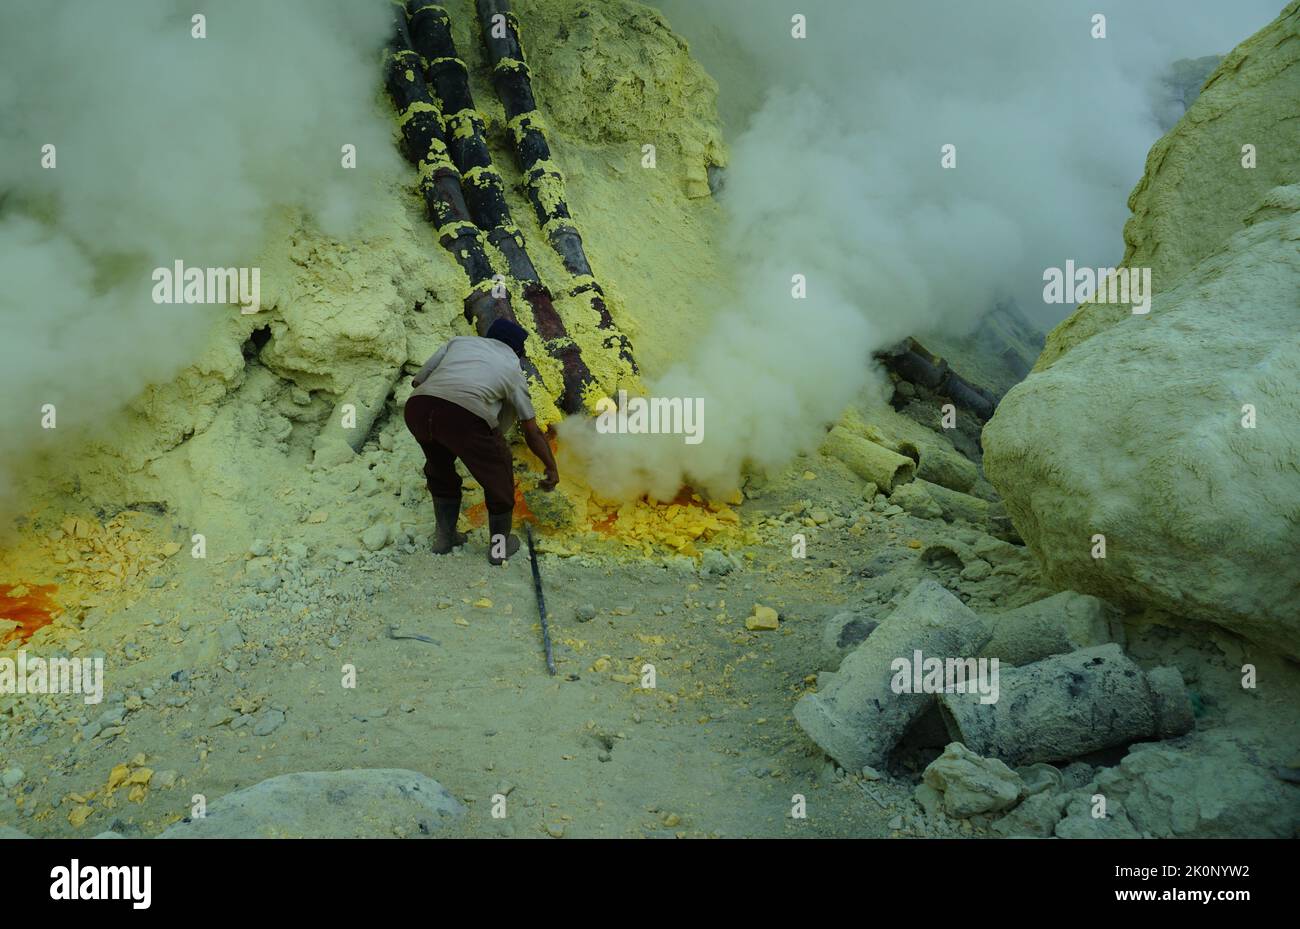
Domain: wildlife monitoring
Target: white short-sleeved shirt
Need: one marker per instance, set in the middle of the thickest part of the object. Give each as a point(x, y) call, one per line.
point(480, 374)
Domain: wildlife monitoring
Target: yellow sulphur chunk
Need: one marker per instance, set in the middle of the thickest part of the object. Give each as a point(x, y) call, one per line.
point(117, 777)
point(763, 618)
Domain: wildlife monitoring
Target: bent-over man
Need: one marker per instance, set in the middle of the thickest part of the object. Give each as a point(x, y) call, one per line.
point(466, 398)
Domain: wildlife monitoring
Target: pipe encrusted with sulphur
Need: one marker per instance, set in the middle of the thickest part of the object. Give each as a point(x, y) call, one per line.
point(448, 76)
point(542, 178)
point(423, 142)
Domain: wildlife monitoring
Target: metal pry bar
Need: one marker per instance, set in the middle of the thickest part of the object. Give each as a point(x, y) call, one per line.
point(541, 599)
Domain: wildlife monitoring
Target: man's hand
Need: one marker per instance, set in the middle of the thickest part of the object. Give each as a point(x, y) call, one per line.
point(538, 445)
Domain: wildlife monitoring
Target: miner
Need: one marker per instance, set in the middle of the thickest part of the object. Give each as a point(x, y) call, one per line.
point(465, 400)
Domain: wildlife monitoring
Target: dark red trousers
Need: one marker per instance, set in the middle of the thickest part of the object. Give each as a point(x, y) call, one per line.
point(446, 432)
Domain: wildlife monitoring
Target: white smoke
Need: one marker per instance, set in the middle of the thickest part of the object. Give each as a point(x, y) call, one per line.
point(836, 176)
point(167, 147)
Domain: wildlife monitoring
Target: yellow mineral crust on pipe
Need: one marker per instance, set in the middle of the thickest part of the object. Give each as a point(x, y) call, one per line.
point(419, 106)
point(869, 461)
point(472, 177)
point(512, 64)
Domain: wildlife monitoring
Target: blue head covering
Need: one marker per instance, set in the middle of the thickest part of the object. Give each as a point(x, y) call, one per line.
point(511, 333)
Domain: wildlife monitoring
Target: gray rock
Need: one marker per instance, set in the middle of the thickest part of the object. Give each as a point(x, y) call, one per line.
point(268, 721)
point(260, 548)
point(12, 777)
point(929, 800)
point(916, 500)
point(1212, 787)
point(112, 717)
point(976, 571)
point(1041, 777)
point(714, 563)
point(1078, 774)
point(584, 613)
point(361, 803)
point(1080, 823)
point(1035, 817)
point(230, 635)
point(9, 832)
point(970, 784)
point(376, 537)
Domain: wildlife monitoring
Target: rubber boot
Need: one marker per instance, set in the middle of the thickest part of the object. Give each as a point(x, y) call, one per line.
point(498, 526)
point(445, 513)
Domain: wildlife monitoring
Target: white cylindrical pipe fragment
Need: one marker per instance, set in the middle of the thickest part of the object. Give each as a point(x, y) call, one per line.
point(859, 717)
point(955, 504)
point(867, 460)
point(942, 465)
point(1070, 705)
point(1060, 624)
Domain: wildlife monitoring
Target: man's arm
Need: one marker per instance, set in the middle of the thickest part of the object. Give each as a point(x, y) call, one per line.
point(429, 365)
point(538, 445)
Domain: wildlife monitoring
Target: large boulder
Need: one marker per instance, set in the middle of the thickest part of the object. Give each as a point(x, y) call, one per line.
point(362, 803)
point(1138, 427)
point(1140, 434)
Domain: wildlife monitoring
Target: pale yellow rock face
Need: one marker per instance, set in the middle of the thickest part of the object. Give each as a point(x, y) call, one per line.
point(1172, 437)
point(1195, 193)
point(650, 91)
point(230, 442)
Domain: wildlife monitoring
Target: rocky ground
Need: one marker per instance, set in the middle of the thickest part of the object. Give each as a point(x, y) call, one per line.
point(318, 637)
point(294, 660)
